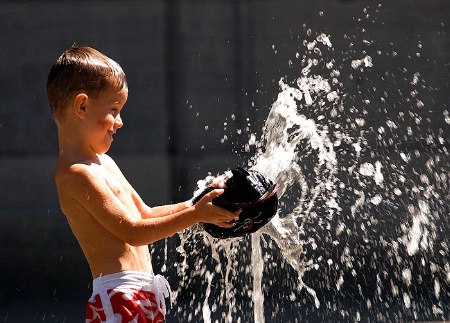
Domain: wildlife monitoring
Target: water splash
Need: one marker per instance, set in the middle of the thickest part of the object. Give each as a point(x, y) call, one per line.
point(350, 215)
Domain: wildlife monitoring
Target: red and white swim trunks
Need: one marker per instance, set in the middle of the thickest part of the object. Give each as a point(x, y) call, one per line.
point(126, 297)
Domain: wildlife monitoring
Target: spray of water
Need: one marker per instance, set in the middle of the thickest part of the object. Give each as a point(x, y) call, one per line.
point(289, 140)
point(334, 186)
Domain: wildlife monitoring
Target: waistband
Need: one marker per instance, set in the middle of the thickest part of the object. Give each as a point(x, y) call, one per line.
point(129, 280)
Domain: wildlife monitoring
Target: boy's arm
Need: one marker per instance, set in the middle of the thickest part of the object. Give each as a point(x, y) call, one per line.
point(93, 193)
point(163, 210)
point(158, 211)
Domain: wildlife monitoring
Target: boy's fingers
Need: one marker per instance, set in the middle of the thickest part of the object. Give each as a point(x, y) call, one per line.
point(226, 224)
point(232, 215)
point(214, 193)
point(235, 214)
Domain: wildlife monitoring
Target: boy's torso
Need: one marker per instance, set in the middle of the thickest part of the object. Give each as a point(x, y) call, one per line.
point(105, 252)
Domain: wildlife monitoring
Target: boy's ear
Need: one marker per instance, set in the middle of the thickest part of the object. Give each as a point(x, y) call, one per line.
point(79, 105)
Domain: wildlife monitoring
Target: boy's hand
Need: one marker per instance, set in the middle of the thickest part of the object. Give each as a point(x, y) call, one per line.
point(210, 213)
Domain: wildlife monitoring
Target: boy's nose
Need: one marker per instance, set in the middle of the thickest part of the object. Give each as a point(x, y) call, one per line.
point(118, 122)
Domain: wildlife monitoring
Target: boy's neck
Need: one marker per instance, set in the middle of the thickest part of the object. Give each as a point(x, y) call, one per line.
point(72, 149)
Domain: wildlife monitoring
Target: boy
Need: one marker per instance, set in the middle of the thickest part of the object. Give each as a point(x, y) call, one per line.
point(87, 91)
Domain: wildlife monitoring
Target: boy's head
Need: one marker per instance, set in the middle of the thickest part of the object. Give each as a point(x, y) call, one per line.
point(78, 70)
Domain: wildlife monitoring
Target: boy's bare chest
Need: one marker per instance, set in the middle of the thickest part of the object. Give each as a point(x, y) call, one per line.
point(118, 186)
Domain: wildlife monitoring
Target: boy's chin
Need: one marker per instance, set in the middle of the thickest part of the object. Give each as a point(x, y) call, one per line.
point(101, 150)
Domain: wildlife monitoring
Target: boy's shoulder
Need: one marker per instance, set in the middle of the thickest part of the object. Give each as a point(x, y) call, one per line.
point(82, 172)
point(67, 175)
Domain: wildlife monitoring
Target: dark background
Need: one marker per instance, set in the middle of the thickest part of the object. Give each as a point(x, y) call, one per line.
point(199, 71)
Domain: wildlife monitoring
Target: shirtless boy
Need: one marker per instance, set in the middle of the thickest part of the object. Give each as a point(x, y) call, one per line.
point(87, 92)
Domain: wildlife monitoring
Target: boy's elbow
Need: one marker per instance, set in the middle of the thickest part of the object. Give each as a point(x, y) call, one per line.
point(138, 235)
point(135, 242)
point(133, 239)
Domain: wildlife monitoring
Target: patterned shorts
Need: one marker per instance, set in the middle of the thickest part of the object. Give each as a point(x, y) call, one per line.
point(128, 297)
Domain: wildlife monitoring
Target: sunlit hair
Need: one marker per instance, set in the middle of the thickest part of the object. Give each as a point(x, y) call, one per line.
point(81, 69)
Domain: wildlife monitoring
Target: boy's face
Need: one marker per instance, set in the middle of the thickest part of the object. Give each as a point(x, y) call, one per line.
point(103, 117)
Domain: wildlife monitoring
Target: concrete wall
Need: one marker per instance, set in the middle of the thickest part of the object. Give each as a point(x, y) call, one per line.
point(192, 66)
